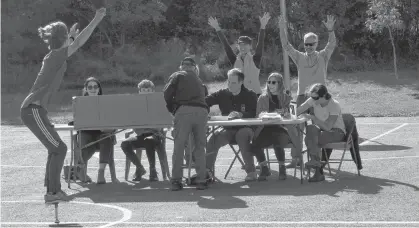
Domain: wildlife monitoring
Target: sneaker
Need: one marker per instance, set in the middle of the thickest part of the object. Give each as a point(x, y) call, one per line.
point(252, 176)
point(264, 173)
point(316, 178)
point(177, 186)
point(56, 198)
point(139, 172)
point(153, 175)
point(282, 172)
point(201, 186)
point(293, 164)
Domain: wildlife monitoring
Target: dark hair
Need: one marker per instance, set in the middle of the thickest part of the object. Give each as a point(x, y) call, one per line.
point(55, 34)
point(245, 39)
point(91, 79)
point(321, 90)
point(237, 72)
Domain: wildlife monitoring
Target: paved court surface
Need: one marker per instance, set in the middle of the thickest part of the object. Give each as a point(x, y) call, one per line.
point(386, 195)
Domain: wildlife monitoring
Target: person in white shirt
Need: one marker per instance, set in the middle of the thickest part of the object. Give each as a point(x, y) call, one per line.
point(311, 64)
point(327, 125)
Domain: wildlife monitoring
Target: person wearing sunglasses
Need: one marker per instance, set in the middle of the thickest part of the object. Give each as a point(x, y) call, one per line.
point(327, 127)
point(275, 99)
point(92, 87)
point(311, 64)
point(248, 63)
point(184, 94)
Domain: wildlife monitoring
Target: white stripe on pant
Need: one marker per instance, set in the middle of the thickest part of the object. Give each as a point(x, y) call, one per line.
point(44, 130)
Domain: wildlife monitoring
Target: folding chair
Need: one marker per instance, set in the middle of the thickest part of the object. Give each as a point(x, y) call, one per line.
point(78, 158)
point(161, 153)
point(346, 145)
point(290, 146)
point(236, 156)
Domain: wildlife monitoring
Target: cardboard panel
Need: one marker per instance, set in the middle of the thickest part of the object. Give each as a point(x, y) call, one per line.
point(157, 111)
point(123, 110)
point(85, 111)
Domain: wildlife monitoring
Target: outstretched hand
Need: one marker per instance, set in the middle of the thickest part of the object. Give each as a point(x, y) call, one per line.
point(213, 22)
point(281, 22)
point(264, 20)
point(330, 23)
point(101, 13)
point(74, 31)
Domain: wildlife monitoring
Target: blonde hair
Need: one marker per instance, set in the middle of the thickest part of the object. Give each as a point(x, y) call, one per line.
point(54, 34)
point(280, 89)
point(146, 84)
point(309, 35)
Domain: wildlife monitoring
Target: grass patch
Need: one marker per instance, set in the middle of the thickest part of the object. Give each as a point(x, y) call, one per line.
point(364, 94)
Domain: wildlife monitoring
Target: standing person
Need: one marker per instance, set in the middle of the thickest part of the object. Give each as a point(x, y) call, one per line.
point(311, 64)
point(248, 63)
point(33, 110)
point(185, 99)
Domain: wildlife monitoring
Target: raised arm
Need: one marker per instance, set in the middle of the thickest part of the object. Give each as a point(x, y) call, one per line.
point(331, 43)
point(292, 52)
point(87, 32)
point(261, 39)
point(213, 22)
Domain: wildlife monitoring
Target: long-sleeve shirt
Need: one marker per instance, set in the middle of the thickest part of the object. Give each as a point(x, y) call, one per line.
point(311, 68)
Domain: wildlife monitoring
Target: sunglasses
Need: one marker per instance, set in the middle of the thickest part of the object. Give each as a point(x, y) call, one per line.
point(309, 44)
point(92, 87)
point(272, 82)
point(315, 98)
point(188, 64)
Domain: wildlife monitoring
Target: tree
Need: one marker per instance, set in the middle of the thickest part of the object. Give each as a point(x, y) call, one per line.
point(383, 14)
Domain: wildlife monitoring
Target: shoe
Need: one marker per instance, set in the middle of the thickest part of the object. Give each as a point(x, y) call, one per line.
point(101, 177)
point(177, 186)
point(293, 164)
point(282, 172)
point(139, 172)
point(264, 173)
point(201, 186)
point(316, 178)
point(252, 176)
point(56, 198)
point(153, 175)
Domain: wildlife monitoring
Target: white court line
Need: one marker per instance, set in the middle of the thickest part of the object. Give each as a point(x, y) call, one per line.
point(385, 133)
point(127, 214)
point(233, 223)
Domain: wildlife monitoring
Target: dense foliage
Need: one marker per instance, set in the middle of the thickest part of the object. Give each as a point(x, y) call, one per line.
point(148, 38)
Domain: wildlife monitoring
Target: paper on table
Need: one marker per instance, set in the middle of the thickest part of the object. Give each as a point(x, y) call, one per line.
point(268, 116)
point(219, 118)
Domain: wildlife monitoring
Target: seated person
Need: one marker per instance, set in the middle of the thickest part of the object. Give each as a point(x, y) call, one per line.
point(327, 127)
point(92, 87)
point(274, 99)
point(235, 102)
point(146, 138)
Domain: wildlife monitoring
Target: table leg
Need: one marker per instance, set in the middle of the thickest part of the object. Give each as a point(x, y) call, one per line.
point(70, 167)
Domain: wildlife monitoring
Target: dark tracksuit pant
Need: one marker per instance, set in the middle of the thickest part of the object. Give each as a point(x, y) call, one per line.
point(141, 141)
point(35, 118)
point(105, 146)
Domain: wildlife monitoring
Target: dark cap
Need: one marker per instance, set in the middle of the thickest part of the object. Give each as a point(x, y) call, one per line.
point(245, 39)
point(188, 59)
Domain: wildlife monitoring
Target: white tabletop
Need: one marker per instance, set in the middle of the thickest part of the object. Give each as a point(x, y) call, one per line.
point(236, 122)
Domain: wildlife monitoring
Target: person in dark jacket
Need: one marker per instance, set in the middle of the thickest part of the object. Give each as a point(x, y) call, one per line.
point(185, 99)
point(236, 102)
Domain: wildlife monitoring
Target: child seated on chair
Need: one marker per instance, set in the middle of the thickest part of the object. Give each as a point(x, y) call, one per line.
point(147, 138)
